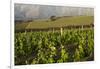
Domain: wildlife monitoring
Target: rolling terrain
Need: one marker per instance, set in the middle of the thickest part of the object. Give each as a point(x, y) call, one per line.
point(60, 22)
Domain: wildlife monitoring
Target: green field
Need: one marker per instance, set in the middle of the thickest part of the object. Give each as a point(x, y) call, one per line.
point(63, 21)
point(52, 47)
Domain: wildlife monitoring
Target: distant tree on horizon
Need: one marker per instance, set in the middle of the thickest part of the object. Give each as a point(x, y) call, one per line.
point(53, 18)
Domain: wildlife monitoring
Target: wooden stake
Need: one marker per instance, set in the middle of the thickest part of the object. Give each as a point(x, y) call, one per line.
point(61, 31)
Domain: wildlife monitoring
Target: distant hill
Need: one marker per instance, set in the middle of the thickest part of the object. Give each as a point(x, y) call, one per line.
point(60, 22)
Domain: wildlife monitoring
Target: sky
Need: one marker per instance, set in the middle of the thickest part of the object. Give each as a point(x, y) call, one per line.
point(33, 11)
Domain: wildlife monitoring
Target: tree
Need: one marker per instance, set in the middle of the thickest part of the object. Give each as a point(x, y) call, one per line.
point(53, 18)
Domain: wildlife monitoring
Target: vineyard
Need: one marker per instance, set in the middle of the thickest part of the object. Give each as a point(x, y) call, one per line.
point(43, 47)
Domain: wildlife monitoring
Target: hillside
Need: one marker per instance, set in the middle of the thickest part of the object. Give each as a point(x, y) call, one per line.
point(63, 21)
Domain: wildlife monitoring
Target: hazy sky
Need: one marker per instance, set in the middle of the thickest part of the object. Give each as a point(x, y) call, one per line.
point(29, 11)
